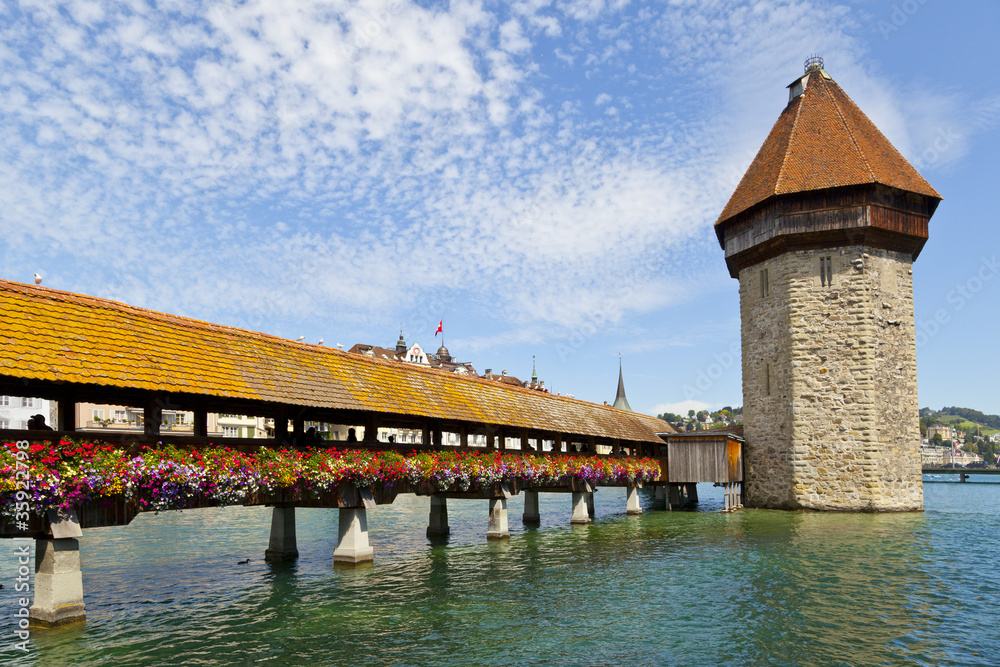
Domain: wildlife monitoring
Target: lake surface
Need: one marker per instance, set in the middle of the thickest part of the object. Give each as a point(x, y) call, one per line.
point(692, 588)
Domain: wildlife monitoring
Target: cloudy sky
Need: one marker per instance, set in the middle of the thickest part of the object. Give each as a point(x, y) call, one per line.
point(543, 176)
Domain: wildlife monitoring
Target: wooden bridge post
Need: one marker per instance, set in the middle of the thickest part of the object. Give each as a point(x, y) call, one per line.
point(463, 437)
point(67, 415)
point(590, 504)
point(281, 424)
point(691, 491)
point(152, 415)
point(437, 523)
point(200, 423)
point(282, 544)
point(531, 514)
point(371, 429)
point(557, 443)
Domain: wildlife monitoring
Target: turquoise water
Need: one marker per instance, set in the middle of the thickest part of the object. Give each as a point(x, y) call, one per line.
point(692, 588)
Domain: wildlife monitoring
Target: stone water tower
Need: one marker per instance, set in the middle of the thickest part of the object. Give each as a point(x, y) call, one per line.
point(821, 233)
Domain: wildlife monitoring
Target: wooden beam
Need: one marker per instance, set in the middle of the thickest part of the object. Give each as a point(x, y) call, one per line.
point(66, 408)
point(201, 423)
point(152, 415)
point(281, 423)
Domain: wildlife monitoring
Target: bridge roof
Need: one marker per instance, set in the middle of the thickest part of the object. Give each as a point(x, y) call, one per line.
point(50, 338)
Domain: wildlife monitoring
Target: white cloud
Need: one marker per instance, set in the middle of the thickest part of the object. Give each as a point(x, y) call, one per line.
point(192, 159)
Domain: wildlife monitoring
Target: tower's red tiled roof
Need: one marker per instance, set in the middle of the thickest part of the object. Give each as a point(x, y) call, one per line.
point(822, 140)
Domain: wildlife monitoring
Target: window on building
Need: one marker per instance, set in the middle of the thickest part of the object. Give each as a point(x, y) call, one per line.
point(4, 400)
point(27, 402)
point(826, 271)
point(764, 287)
point(4, 423)
point(119, 415)
point(230, 431)
point(95, 415)
point(767, 379)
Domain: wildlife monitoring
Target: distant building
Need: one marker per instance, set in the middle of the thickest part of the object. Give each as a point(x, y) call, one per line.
point(946, 432)
point(15, 411)
point(415, 355)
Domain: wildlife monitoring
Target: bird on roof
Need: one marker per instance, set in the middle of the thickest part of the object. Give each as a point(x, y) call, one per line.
point(300, 338)
point(38, 279)
point(320, 342)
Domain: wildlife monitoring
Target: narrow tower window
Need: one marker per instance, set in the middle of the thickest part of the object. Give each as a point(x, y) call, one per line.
point(767, 379)
point(826, 271)
point(764, 287)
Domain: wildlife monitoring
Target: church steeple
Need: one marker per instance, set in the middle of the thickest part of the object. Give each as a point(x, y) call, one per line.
point(534, 374)
point(620, 401)
point(400, 344)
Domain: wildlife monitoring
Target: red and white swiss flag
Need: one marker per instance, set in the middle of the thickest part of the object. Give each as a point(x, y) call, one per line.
point(440, 328)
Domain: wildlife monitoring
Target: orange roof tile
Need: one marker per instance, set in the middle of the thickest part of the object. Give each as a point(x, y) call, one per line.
point(822, 140)
point(64, 337)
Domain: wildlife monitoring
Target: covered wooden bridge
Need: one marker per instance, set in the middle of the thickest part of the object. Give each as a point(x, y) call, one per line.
point(71, 348)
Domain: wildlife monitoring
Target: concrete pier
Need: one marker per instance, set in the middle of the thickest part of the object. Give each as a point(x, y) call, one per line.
point(437, 523)
point(498, 528)
point(353, 546)
point(531, 514)
point(282, 545)
point(632, 506)
point(581, 514)
point(58, 584)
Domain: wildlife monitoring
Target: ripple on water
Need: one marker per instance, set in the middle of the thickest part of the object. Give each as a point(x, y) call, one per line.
point(754, 587)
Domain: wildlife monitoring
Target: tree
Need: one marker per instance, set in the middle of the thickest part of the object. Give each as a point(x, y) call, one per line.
point(691, 414)
point(937, 440)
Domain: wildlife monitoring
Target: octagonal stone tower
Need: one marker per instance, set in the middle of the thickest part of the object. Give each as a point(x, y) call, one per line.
point(821, 233)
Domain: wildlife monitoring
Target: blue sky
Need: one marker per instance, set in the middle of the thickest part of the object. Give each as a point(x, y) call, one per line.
point(542, 175)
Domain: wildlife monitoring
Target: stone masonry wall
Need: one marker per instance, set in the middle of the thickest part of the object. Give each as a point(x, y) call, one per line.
point(839, 428)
